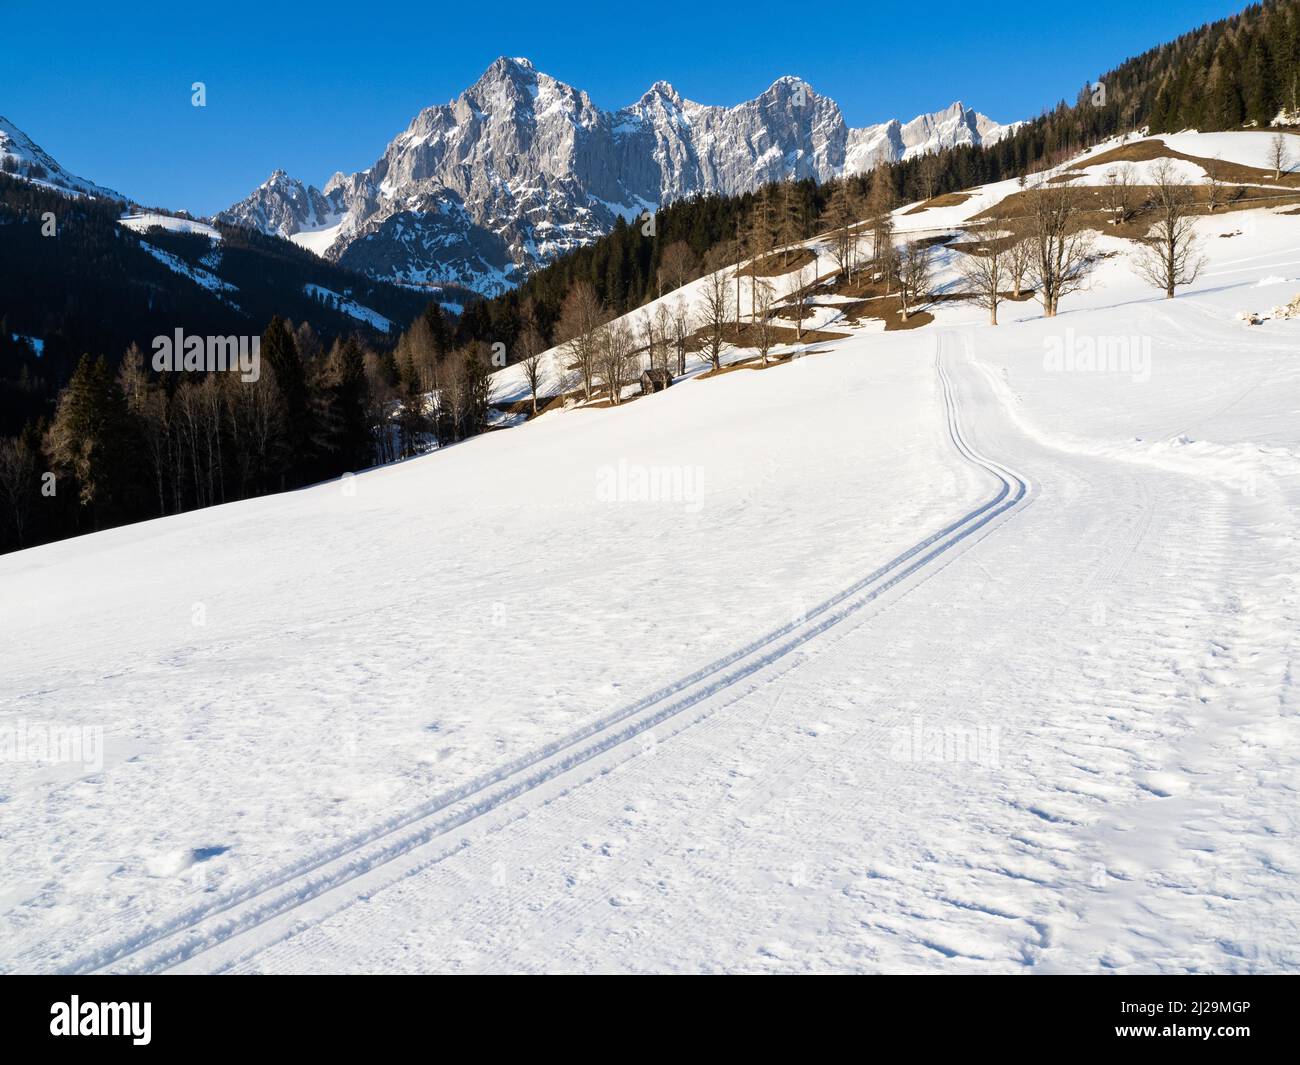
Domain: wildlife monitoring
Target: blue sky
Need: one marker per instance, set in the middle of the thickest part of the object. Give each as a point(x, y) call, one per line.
point(319, 87)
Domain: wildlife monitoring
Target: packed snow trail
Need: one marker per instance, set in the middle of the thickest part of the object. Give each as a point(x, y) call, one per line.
point(279, 904)
point(1070, 745)
point(796, 826)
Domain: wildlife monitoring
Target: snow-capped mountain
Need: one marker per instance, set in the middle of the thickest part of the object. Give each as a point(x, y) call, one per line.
point(22, 157)
point(521, 168)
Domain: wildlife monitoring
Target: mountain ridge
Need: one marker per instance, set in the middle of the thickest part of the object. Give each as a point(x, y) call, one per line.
point(22, 157)
point(521, 168)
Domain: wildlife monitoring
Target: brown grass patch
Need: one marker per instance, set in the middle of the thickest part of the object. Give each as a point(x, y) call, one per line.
point(1145, 151)
point(779, 263)
point(947, 199)
point(781, 334)
point(1094, 215)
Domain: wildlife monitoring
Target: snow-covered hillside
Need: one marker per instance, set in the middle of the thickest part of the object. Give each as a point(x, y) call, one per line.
point(22, 157)
point(915, 652)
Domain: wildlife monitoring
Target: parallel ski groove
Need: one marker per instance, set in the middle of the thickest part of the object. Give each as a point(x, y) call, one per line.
point(202, 928)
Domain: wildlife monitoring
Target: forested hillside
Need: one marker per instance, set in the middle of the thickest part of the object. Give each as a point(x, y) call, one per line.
point(80, 282)
point(1238, 71)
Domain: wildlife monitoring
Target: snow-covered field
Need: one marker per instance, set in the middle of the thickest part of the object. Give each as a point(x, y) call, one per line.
point(917, 653)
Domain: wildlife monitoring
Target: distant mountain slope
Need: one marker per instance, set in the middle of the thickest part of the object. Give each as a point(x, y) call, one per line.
point(102, 282)
point(521, 168)
point(21, 157)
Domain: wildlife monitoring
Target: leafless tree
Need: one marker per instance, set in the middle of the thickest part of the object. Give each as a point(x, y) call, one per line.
point(880, 202)
point(1020, 253)
point(256, 417)
point(663, 331)
point(927, 172)
point(1171, 254)
point(383, 409)
point(1062, 249)
point(839, 221)
point(803, 280)
point(914, 276)
point(677, 265)
point(1279, 155)
point(791, 223)
point(984, 272)
point(530, 346)
point(649, 336)
point(764, 223)
point(580, 317)
point(682, 324)
point(147, 402)
point(417, 360)
point(715, 314)
point(1117, 192)
point(764, 330)
point(615, 359)
point(1214, 179)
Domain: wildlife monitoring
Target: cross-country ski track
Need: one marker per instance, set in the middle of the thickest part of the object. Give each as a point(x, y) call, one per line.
point(209, 937)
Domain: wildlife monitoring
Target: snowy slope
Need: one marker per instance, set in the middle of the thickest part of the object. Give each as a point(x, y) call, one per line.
point(925, 656)
point(142, 223)
point(22, 157)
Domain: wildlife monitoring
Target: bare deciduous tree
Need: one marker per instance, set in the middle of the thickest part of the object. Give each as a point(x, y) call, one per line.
point(530, 346)
point(914, 276)
point(1020, 253)
point(682, 324)
point(715, 314)
point(1117, 193)
point(791, 222)
point(803, 280)
point(1062, 249)
point(1170, 255)
point(1279, 155)
point(839, 220)
point(764, 331)
point(663, 331)
point(927, 173)
point(147, 402)
point(677, 265)
point(984, 271)
point(615, 359)
point(580, 317)
point(880, 202)
point(1214, 179)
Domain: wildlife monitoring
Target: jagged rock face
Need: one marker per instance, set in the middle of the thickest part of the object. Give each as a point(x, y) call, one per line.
point(285, 205)
point(788, 131)
point(521, 168)
point(21, 157)
point(438, 244)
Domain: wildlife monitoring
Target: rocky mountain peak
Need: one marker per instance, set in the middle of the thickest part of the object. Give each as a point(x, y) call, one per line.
point(521, 167)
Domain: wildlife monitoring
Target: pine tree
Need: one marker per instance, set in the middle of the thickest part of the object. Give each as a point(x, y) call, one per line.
point(350, 443)
point(89, 439)
point(279, 353)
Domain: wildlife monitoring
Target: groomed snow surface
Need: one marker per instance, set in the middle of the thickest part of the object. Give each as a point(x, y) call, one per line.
point(917, 653)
